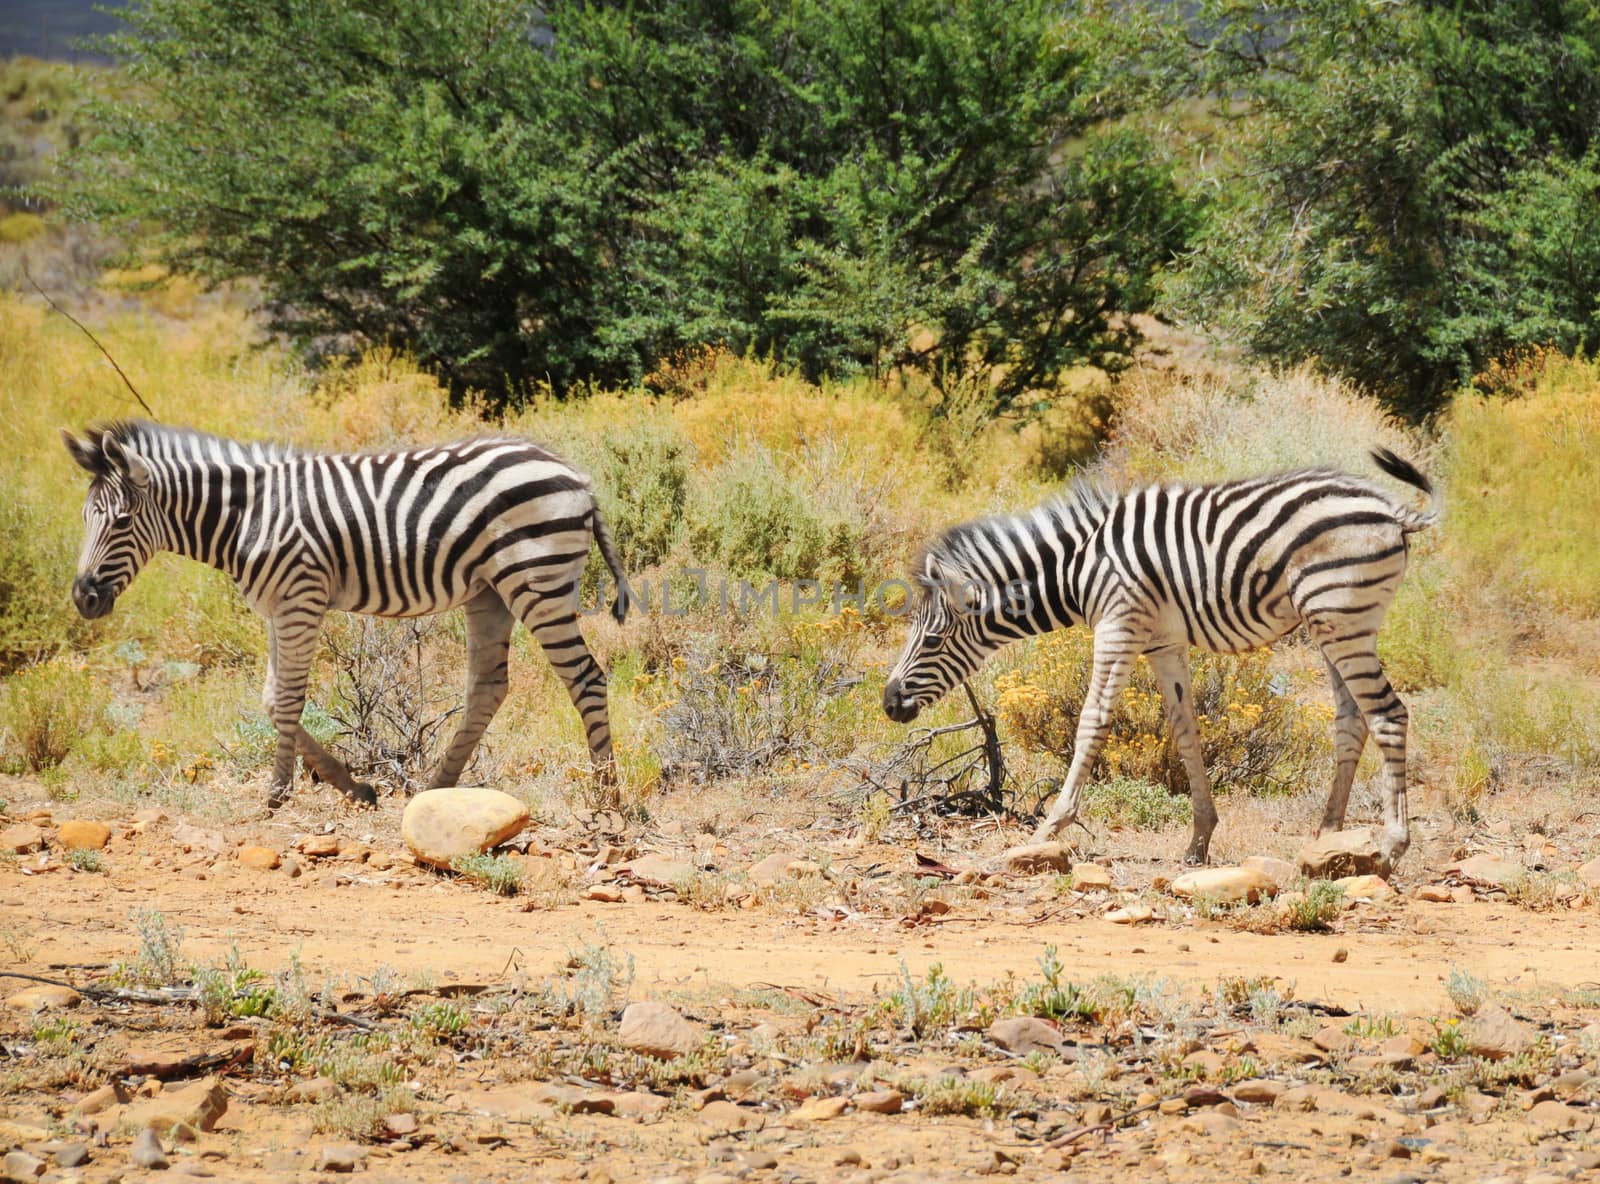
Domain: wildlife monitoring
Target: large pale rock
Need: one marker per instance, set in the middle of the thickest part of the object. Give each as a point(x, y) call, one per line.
point(1037, 857)
point(771, 869)
point(1365, 888)
point(441, 824)
point(1133, 914)
point(1226, 884)
point(657, 1030)
point(1487, 869)
point(654, 869)
point(1091, 877)
point(261, 858)
point(198, 1105)
point(79, 834)
point(1281, 872)
point(514, 1102)
point(45, 998)
point(1024, 1034)
point(1342, 853)
point(1494, 1034)
point(1561, 1117)
point(21, 838)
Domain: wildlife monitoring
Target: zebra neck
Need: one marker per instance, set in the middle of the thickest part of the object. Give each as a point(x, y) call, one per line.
point(205, 504)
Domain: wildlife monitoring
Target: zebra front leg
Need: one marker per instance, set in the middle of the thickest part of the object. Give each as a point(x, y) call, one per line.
point(1113, 663)
point(1356, 662)
point(488, 647)
point(553, 621)
point(327, 766)
point(1171, 667)
point(1349, 736)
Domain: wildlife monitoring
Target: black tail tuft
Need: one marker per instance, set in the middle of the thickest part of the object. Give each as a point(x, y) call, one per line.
point(1401, 469)
point(608, 552)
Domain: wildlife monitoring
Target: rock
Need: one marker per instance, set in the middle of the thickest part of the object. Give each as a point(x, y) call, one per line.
point(327, 846)
point(43, 998)
point(880, 1101)
point(21, 838)
point(1332, 1039)
point(1033, 858)
point(820, 1109)
point(1494, 1034)
point(1025, 1034)
point(603, 894)
point(1558, 1116)
point(341, 1157)
point(1258, 1091)
point(1133, 914)
point(514, 1102)
point(1342, 853)
point(1432, 1098)
point(262, 859)
point(1365, 887)
point(657, 1030)
point(802, 869)
point(1091, 877)
point(1462, 894)
point(653, 869)
point(19, 1165)
point(78, 834)
point(441, 824)
point(1225, 884)
point(770, 870)
point(113, 1093)
point(314, 1090)
point(1487, 869)
point(637, 1104)
point(199, 1105)
point(189, 837)
point(729, 1116)
point(1589, 872)
point(1281, 872)
point(571, 1100)
point(72, 1155)
point(192, 1167)
point(1437, 893)
point(380, 861)
point(146, 1151)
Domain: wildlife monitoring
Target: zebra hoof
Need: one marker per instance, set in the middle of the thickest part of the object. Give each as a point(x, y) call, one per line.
point(363, 794)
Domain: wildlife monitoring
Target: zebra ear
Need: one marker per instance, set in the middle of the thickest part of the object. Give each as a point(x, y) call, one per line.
point(84, 452)
point(123, 458)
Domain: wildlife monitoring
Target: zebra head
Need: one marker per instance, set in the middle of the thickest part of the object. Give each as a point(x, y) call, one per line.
point(950, 638)
point(120, 520)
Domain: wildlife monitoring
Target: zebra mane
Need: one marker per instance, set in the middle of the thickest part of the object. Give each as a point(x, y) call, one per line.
point(158, 439)
point(963, 551)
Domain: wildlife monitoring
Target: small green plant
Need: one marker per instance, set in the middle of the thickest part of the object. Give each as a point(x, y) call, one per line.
point(595, 985)
point(1371, 1027)
point(55, 1035)
point(1137, 804)
point(440, 1020)
point(158, 962)
point(923, 1007)
point(46, 711)
point(233, 990)
point(1466, 990)
point(1449, 1042)
point(499, 873)
point(1054, 999)
point(18, 943)
point(1317, 909)
point(361, 1115)
point(86, 860)
point(961, 1096)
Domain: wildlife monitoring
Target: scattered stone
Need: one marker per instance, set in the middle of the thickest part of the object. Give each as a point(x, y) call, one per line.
point(820, 1109)
point(199, 1105)
point(570, 1100)
point(326, 846)
point(1365, 887)
point(1342, 853)
point(802, 869)
point(262, 859)
point(380, 861)
point(730, 1116)
point(1225, 884)
point(1399, 1051)
point(1437, 893)
point(1341, 955)
point(72, 1155)
point(113, 1093)
point(1300, 1097)
point(341, 1157)
point(1091, 877)
point(657, 1030)
point(1589, 872)
point(1258, 1091)
point(315, 1090)
point(291, 867)
point(1332, 1039)
point(43, 998)
point(146, 1151)
point(1558, 1116)
point(1209, 1122)
point(770, 870)
point(1025, 1034)
point(1033, 858)
point(880, 1101)
point(19, 1165)
point(1280, 871)
point(1173, 1106)
point(847, 1157)
point(1487, 869)
point(1431, 1098)
point(1133, 914)
point(637, 1104)
point(1201, 1096)
point(1494, 1034)
point(193, 1167)
point(1462, 894)
point(440, 824)
point(656, 871)
point(603, 894)
point(21, 838)
point(79, 834)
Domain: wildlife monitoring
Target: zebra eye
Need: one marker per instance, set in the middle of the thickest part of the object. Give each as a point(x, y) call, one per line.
point(122, 521)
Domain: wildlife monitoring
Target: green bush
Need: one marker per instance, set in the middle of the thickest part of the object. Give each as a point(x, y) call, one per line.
point(47, 711)
point(1136, 803)
point(642, 481)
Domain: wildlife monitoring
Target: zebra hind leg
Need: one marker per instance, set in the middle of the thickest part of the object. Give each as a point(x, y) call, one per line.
point(1356, 661)
point(1171, 667)
point(488, 648)
point(553, 621)
point(1349, 736)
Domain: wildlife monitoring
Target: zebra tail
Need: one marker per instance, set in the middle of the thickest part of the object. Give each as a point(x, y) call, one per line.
point(608, 552)
point(1403, 470)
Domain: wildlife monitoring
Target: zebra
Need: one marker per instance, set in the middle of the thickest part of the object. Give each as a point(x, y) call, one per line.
point(496, 524)
point(1225, 567)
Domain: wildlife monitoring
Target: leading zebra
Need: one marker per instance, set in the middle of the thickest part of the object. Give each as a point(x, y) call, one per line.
point(496, 524)
point(1225, 567)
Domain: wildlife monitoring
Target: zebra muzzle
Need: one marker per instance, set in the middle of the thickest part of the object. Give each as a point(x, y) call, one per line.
point(897, 706)
point(92, 600)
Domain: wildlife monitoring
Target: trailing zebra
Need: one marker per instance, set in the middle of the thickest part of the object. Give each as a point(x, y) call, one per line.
point(496, 524)
point(1226, 567)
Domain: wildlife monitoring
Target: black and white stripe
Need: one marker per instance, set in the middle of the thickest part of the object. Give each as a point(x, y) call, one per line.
point(497, 524)
point(1225, 567)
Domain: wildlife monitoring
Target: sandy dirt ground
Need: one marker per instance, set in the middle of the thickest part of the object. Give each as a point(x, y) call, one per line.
point(777, 976)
